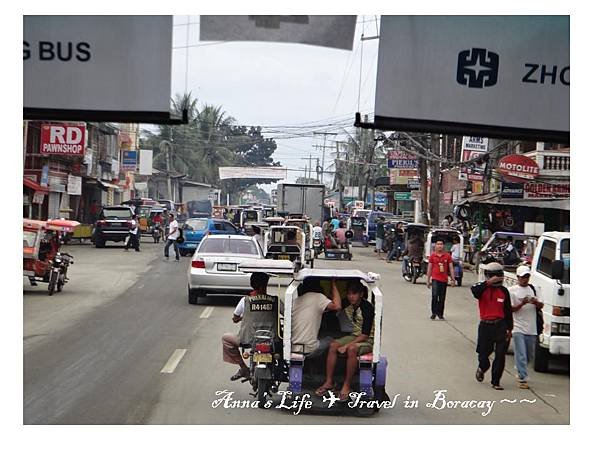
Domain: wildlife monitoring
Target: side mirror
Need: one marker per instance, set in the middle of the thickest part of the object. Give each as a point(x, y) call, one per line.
point(558, 269)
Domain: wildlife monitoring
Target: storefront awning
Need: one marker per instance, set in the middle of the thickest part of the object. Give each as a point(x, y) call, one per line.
point(27, 182)
point(494, 199)
point(107, 185)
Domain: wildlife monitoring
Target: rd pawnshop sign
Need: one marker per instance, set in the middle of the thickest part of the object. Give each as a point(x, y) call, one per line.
point(496, 76)
point(518, 168)
point(62, 139)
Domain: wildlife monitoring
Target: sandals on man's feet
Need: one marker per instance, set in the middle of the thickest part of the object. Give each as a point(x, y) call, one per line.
point(321, 391)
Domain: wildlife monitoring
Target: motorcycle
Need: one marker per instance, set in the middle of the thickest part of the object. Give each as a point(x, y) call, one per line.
point(415, 269)
point(318, 246)
point(458, 271)
point(58, 276)
point(267, 368)
point(156, 232)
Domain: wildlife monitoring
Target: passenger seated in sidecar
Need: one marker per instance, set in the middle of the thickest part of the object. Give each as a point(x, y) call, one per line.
point(340, 328)
point(307, 313)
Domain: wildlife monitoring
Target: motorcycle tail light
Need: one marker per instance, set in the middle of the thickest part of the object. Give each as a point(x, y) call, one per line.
point(198, 264)
point(560, 311)
point(263, 348)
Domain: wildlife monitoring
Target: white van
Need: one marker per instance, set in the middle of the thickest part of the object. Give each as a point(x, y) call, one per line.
point(550, 276)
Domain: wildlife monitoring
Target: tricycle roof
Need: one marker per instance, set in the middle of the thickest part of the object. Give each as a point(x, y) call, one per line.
point(334, 273)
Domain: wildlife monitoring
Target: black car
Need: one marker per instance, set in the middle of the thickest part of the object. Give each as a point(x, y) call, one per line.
point(113, 224)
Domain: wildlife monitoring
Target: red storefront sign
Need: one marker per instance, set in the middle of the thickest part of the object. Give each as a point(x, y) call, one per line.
point(546, 190)
point(518, 168)
point(62, 139)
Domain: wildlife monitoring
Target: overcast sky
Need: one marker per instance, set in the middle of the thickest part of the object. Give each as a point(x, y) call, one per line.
point(260, 83)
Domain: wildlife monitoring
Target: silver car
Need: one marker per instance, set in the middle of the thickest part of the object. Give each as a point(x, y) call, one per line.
point(214, 266)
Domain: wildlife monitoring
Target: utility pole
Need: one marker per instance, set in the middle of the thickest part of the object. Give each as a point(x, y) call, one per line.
point(165, 147)
point(434, 195)
point(309, 166)
point(324, 146)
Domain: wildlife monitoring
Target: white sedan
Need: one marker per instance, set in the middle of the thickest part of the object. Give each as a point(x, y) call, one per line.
point(214, 266)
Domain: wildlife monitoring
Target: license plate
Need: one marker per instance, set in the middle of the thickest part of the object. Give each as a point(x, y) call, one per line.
point(226, 267)
point(263, 357)
point(283, 257)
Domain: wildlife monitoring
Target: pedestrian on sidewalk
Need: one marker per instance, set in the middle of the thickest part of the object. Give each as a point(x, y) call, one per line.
point(525, 307)
point(439, 268)
point(133, 241)
point(495, 325)
point(379, 236)
point(172, 237)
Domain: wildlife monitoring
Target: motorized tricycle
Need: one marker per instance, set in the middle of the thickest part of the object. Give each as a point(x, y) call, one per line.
point(307, 229)
point(306, 370)
point(286, 243)
point(42, 261)
point(414, 265)
point(450, 236)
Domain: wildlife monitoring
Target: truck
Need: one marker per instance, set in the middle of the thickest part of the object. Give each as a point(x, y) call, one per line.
point(550, 276)
point(305, 199)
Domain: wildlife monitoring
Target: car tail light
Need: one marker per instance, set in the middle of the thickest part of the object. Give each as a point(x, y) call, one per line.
point(263, 348)
point(101, 223)
point(198, 264)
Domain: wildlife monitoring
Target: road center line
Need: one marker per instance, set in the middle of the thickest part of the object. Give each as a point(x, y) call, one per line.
point(171, 364)
point(207, 312)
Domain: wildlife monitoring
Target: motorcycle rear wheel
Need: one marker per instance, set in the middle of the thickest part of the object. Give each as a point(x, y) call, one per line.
point(262, 392)
point(52, 283)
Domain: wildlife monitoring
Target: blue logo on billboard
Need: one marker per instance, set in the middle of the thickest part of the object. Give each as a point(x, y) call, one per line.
point(477, 68)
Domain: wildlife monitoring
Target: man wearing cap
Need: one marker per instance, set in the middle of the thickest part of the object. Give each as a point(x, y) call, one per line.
point(495, 325)
point(524, 306)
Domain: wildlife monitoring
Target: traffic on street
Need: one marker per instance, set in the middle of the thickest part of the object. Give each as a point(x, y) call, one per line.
point(296, 220)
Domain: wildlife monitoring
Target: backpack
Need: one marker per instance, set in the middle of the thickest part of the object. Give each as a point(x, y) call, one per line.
point(539, 316)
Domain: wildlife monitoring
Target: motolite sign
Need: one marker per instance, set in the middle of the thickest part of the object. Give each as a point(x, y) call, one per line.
point(518, 167)
point(62, 139)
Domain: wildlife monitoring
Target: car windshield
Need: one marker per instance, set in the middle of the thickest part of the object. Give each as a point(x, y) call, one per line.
point(197, 224)
point(238, 246)
point(120, 213)
point(29, 238)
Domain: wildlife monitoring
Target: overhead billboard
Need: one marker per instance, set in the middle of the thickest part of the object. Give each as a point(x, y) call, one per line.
point(326, 31)
point(496, 76)
point(97, 68)
point(272, 173)
point(473, 147)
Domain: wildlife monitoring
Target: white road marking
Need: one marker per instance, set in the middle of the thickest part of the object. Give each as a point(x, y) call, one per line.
point(171, 364)
point(207, 312)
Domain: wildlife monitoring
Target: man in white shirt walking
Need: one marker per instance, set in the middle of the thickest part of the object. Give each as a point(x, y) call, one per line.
point(525, 307)
point(172, 235)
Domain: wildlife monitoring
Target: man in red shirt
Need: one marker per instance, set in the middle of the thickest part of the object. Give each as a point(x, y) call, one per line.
point(438, 269)
point(496, 323)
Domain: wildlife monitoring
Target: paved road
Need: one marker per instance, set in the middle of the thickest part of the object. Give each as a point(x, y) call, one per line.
point(94, 353)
